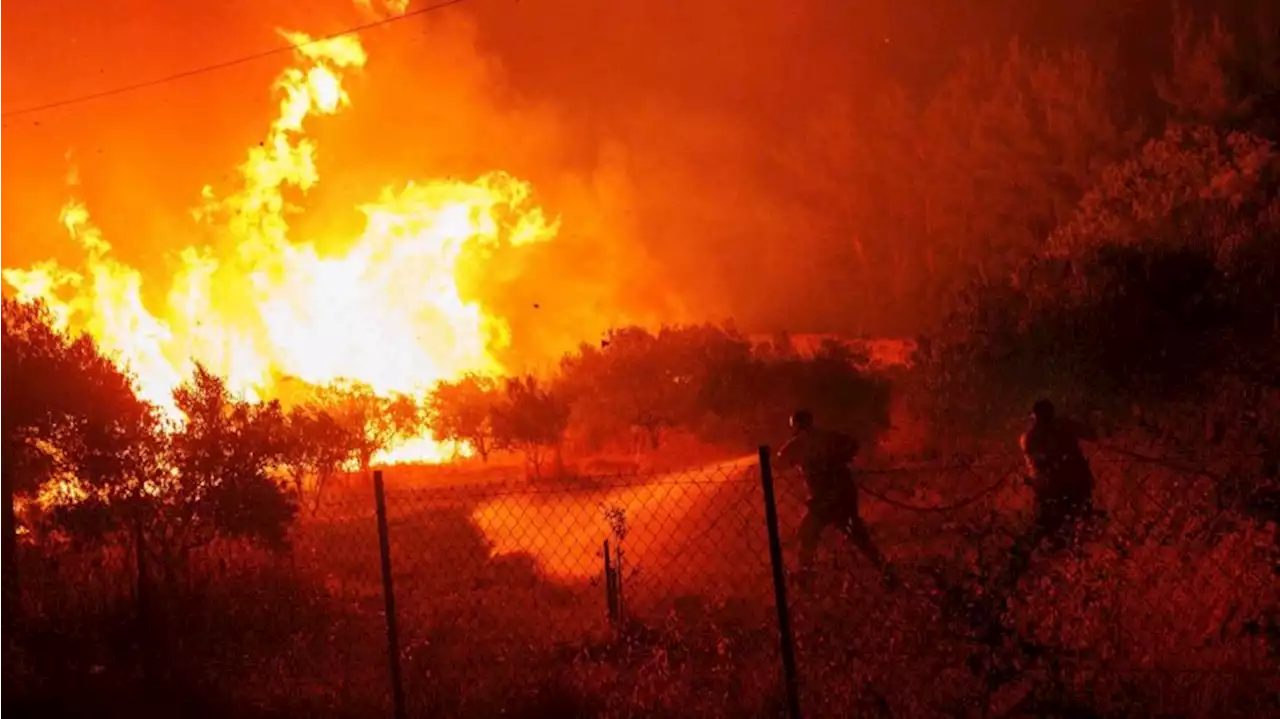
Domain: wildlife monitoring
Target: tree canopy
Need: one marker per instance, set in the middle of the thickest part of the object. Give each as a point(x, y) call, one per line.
point(374, 420)
point(69, 413)
point(461, 412)
point(1158, 288)
point(74, 427)
point(531, 420)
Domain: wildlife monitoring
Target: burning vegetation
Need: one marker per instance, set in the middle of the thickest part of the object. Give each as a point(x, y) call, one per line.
point(385, 314)
point(562, 413)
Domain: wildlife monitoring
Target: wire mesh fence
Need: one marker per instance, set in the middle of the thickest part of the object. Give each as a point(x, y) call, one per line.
point(1154, 608)
point(614, 595)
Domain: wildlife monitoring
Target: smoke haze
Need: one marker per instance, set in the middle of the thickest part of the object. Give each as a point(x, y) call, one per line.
point(665, 136)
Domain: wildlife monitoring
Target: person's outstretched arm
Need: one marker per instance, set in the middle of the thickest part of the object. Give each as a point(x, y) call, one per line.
point(786, 454)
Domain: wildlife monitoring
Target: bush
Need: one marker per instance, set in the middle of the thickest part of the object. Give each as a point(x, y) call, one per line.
point(1161, 286)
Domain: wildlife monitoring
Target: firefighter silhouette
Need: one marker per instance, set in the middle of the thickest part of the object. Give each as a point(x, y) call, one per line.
point(824, 458)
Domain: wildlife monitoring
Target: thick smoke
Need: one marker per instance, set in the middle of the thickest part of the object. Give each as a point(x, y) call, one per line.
point(651, 132)
point(674, 140)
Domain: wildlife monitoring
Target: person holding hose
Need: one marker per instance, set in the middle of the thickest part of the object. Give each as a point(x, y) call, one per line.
point(1063, 482)
point(824, 458)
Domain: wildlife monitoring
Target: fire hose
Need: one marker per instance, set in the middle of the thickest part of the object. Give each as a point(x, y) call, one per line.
point(999, 482)
point(986, 491)
point(939, 508)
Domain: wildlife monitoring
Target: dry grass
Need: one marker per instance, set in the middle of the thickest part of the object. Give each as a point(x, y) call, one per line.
point(502, 611)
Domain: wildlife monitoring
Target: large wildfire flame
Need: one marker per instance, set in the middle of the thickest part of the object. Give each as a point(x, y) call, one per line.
point(386, 311)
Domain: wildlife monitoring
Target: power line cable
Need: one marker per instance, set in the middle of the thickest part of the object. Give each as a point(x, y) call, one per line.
point(121, 89)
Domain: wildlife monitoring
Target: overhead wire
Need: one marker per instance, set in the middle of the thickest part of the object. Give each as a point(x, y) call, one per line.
point(233, 62)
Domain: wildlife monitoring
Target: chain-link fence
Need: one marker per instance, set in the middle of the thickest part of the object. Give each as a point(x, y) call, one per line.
point(655, 594)
point(1160, 607)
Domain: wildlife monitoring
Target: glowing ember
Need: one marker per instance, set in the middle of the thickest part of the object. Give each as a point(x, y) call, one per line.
point(385, 312)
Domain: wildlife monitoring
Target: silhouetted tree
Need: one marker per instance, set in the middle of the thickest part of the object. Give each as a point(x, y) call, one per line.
point(209, 476)
point(927, 193)
point(68, 413)
point(1201, 86)
point(531, 420)
point(223, 459)
point(316, 448)
point(1009, 145)
point(462, 411)
point(376, 421)
point(630, 382)
point(830, 382)
point(1159, 284)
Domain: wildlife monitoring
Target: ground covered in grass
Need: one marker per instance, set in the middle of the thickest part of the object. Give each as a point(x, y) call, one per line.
point(502, 611)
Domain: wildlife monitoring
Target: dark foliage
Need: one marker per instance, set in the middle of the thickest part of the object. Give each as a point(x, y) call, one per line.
point(711, 382)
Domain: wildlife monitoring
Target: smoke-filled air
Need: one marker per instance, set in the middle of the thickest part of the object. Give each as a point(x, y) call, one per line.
point(420, 288)
point(641, 358)
point(383, 307)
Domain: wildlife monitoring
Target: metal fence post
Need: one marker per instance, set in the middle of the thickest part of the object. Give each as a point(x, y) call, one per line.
point(610, 585)
point(389, 597)
point(780, 587)
point(618, 581)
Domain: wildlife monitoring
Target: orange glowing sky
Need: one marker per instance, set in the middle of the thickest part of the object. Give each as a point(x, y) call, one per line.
point(627, 119)
point(142, 159)
point(656, 130)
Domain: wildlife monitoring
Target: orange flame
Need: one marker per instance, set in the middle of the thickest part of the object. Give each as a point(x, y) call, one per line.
point(386, 311)
point(392, 7)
